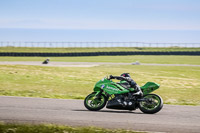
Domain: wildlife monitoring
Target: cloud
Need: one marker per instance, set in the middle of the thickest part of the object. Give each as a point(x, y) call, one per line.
point(95, 24)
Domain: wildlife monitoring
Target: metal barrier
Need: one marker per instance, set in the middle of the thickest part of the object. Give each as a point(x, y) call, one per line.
point(95, 44)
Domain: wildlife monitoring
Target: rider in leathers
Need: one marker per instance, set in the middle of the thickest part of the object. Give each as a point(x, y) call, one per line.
point(126, 77)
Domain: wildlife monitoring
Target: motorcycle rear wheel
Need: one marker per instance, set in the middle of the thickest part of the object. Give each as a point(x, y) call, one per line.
point(152, 104)
point(93, 103)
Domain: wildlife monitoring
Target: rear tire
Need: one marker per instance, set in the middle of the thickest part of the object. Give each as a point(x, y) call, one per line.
point(153, 104)
point(93, 103)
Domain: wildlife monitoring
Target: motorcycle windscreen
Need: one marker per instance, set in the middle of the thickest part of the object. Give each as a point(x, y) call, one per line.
point(149, 87)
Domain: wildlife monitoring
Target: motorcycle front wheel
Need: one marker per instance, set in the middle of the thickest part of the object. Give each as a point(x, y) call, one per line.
point(151, 104)
point(94, 103)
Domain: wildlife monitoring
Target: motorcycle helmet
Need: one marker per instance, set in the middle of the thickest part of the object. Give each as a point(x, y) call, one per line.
point(125, 75)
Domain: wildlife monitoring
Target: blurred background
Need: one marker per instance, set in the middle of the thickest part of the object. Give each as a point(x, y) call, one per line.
point(113, 23)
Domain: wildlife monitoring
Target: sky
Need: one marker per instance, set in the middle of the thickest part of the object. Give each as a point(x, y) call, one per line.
point(100, 20)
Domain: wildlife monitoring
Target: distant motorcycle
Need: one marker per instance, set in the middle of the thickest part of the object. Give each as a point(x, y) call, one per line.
point(121, 96)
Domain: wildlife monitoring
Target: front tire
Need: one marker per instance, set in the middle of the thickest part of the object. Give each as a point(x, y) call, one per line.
point(152, 104)
point(93, 103)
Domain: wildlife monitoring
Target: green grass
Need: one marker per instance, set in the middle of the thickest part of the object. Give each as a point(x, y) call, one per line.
point(109, 49)
point(42, 128)
point(195, 60)
point(179, 85)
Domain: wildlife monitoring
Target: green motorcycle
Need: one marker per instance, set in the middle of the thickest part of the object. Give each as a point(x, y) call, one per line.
point(120, 96)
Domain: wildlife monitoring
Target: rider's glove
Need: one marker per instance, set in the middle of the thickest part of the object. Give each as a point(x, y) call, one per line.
point(111, 77)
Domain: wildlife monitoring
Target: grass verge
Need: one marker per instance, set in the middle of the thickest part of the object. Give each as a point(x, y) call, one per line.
point(179, 85)
point(42, 128)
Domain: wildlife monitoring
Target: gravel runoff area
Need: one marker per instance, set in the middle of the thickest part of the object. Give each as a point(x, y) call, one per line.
point(84, 64)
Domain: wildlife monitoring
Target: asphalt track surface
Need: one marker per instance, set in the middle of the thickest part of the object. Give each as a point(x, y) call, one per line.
point(172, 118)
point(85, 64)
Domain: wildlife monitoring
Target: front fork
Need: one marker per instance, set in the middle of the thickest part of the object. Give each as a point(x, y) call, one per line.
point(99, 93)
